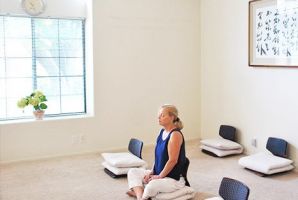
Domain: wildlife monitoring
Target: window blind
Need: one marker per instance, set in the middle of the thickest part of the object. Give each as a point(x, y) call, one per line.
point(47, 54)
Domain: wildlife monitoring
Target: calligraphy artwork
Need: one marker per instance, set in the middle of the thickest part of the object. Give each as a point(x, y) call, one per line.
point(273, 33)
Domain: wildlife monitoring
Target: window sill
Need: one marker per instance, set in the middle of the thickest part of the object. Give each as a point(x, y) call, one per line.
point(51, 118)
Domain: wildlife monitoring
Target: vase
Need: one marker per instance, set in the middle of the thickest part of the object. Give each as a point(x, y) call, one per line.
point(38, 114)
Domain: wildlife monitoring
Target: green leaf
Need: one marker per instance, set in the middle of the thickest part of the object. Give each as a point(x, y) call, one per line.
point(43, 106)
point(42, 98)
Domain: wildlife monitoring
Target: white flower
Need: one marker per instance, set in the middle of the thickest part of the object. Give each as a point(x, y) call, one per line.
point(35, 99)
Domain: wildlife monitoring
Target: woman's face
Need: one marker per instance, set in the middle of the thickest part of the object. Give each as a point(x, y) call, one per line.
point(164, 118)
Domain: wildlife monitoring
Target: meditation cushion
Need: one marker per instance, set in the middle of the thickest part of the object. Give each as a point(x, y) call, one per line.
point(222, 152)
point(220, 143)
point(266, 162)
point(215, 198)
point(119, 170)
point(123, 159)
point(181, 194)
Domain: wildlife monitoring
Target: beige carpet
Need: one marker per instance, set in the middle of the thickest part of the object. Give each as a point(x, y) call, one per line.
point(82, 178)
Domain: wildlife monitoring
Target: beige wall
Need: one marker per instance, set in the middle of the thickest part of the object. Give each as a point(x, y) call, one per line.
point(260, 102)
point(146, 53)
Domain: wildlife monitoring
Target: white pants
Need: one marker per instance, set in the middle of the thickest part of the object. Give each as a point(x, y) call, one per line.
point(135, 178)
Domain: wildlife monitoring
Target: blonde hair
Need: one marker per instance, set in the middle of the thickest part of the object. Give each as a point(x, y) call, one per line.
point(172, 111)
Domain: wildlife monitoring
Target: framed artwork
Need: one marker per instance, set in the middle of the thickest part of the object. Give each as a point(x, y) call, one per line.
point(273, 33)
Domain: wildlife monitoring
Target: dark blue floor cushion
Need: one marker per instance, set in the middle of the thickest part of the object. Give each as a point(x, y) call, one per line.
point(231, 189)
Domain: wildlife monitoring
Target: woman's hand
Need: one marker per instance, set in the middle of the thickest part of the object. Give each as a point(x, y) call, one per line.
point(152, 177)
point(147, 177)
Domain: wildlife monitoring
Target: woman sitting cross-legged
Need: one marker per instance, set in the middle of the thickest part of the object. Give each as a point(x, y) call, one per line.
point(169, 160)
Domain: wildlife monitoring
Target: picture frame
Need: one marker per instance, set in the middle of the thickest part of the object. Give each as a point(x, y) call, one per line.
point(273, 33)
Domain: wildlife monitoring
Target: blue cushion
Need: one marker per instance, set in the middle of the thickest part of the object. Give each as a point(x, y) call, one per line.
point(277, 146)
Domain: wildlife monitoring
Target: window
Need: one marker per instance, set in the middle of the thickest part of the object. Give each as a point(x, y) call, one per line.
point(46, 54)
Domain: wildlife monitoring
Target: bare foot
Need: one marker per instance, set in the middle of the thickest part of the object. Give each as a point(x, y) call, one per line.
point(131, 193)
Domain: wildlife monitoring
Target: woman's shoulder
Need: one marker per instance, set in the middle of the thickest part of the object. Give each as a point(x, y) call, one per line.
point(176, 131)
point(176, 134)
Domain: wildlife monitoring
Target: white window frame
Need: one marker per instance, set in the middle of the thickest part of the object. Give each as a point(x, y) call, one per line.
point(34, 77)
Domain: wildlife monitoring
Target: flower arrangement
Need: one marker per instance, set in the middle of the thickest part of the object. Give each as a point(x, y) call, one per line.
point(36, 99)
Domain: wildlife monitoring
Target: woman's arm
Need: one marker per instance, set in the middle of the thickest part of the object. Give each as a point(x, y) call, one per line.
point(174, 146)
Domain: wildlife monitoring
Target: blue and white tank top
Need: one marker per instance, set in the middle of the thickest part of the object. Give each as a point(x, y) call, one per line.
point(162, 156)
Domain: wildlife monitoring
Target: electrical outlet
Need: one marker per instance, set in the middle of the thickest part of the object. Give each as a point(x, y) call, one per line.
point(254, 142)
point(78, 139)
point(81, 139)
point(74, 139)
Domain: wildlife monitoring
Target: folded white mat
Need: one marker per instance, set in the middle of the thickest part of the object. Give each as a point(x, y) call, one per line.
point(123, 159)
point(119, 170)
point(221, 143)
point(266, 162)
point(281, 169)
point(221, 152)
point(181, 194)
point(184, 197)
point(215, 198)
